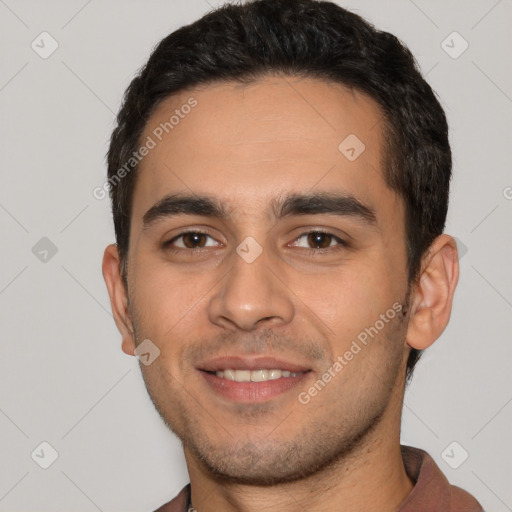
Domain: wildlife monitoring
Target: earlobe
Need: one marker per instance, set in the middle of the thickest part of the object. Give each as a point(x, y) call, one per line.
point(432, 296)
point(118, 298)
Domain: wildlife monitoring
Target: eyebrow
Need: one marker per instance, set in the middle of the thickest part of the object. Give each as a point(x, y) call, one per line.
point(284, 206)
point(327, 203)
point(179, 204)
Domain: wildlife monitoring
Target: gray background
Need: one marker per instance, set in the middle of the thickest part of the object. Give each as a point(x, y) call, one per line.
point(64, 379)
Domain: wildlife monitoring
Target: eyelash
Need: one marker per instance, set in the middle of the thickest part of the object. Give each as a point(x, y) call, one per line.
point(342, 244)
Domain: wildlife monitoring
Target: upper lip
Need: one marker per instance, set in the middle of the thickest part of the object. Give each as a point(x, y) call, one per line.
point(250, 363)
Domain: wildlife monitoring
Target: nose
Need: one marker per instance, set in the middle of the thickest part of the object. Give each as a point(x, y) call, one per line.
point(251, 296)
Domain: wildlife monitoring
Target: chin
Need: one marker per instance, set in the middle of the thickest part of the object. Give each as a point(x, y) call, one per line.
point(272, 462)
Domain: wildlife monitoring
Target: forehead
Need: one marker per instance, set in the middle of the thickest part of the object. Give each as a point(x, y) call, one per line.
point(254, 141)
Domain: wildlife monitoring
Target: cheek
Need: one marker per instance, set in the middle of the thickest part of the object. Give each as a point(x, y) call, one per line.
point(167, 301)
point(350, 299)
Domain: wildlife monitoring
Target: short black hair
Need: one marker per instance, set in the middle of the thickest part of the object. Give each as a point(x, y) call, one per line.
point(304, 38)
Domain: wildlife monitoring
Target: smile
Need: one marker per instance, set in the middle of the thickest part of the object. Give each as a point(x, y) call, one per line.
point(261, 375)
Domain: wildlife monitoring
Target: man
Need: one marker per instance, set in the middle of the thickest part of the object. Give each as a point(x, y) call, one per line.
point(279, 177)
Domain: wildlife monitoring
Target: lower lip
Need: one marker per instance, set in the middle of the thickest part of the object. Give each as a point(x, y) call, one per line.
point(252, 392)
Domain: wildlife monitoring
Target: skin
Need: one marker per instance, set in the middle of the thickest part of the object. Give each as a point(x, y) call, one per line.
point(246, 145)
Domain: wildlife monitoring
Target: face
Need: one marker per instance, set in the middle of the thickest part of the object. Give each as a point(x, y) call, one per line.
point(267, 263)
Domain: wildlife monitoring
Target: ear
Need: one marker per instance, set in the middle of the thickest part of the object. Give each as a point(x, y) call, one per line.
point(432, 296)
point(118, 298)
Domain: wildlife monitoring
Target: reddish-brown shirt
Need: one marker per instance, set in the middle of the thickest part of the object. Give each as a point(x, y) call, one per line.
point(431, 493)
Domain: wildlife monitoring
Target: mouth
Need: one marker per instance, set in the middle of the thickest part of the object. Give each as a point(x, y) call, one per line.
point(261, 375)
point(252, 380)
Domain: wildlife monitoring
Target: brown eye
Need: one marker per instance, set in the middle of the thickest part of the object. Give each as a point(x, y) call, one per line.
point(191, 240)
point(319, 240)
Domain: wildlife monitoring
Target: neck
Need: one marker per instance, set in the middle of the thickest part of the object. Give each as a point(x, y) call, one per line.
point(371, 478)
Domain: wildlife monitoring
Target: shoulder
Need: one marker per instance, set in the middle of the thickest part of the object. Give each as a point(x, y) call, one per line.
point(462, 501)
point(179, 503)
point(432, 491)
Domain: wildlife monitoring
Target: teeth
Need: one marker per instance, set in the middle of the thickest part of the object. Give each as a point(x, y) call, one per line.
point(275, 374)
point(229, 374)
point(254, 375)
point(259, 375)
point(242, 375)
